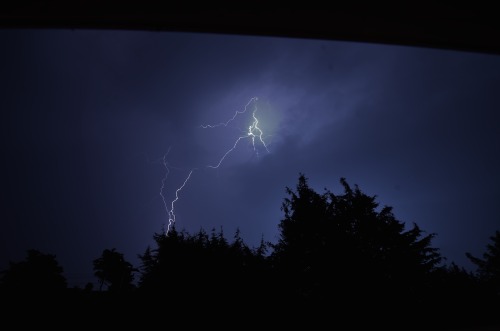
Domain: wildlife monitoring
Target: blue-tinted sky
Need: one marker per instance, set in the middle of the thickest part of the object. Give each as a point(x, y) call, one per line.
point(88, 117)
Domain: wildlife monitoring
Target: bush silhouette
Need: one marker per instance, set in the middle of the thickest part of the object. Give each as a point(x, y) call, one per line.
point(39, 272)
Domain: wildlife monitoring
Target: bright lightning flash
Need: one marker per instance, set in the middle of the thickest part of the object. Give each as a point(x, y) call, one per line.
point(253, 133)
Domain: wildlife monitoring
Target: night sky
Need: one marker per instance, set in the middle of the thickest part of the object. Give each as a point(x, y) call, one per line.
point(90, 118)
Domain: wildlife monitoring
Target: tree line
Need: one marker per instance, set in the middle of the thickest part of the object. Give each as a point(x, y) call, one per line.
point(340, 256)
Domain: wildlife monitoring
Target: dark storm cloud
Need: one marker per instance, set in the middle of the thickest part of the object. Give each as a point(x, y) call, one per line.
point(425, 129)
point(89, 116)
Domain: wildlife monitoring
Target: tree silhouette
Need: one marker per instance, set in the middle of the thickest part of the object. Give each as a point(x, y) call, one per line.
point(114, 271)
point(342, 247)
point(39, 272)
point(488, 268)
point(173, 265)
point(201, 266)
point(484, 303)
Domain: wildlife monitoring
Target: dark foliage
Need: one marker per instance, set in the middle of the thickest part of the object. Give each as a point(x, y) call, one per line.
point(346, 251)
point(488, 268)
point(38, 273)
point(341, 260)
point(342, 246)
point(114, 271)
point(488, 274)
point(202, 265)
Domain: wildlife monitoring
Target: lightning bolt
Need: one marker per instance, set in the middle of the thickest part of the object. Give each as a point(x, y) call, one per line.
point(254, 133)
point(207, 126)
point(170, 212)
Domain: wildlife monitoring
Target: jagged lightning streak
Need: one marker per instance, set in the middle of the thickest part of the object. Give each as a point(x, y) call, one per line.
point(207, 126)
point(170, 212)
point(253, 132)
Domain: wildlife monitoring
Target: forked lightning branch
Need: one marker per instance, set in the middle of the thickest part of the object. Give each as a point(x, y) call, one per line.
point(254, 134)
